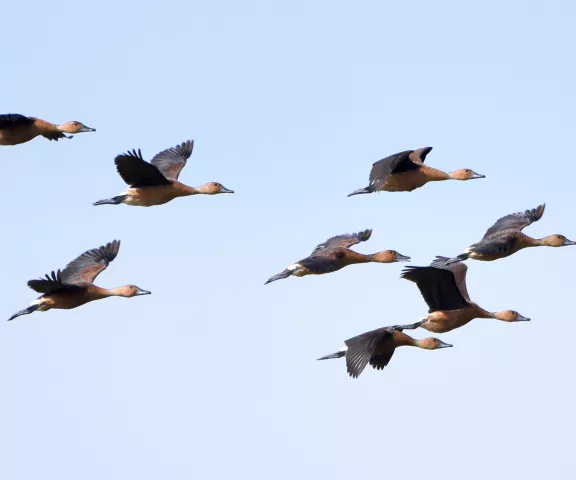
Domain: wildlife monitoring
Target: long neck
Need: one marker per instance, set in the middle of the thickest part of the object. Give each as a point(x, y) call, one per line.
point(44, 126)
point(403, 340)
point(481, 313)
point(111, 292)
point(433, 174)
point(185, 190)
point(355, 257)
point(533, 242)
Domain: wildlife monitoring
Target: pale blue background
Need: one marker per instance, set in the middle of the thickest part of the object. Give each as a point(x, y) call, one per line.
point(214, 375)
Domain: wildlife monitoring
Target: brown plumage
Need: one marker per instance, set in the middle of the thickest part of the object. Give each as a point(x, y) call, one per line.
point(377, 347)
point(444, 290)
point(156, 183)
point(405, 171)
point(334, 254)
point(73, 286)
point(16, 129)
point(505, 238)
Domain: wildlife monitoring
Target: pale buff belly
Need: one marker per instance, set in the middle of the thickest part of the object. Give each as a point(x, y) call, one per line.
point(150, 196)
point(405, 181)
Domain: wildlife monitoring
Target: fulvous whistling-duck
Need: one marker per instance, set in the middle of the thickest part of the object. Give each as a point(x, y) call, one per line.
point(73, 286)
point(16, 129)
point(334, 254)
point(505, 237)
point(444, 290)
point(405, 171)
point(156, 183)
point(377, 347)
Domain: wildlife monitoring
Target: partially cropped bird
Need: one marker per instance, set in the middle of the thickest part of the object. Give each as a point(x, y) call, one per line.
point(334, 254)
point(405, 171)
point(16, 129)
point(73, 286)
point(377, 347)
point(505, 238)
point(156, 183)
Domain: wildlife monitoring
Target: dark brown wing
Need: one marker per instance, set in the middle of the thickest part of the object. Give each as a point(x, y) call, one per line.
point(342, 241)
point(362, 348)
point(90, 264)
point(419, 156)
point(137, 172)
point(320, 264)
point(497, 244)
point(52, 283)
point(381, 360)
point(459, 270)
point(171, 161)
point(437, 286)
point(10, 120)
point(397, 163)
point(516, 221)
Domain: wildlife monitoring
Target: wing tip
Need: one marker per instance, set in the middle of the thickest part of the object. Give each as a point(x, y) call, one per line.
point(110, 250)
point(129, 153)
point(539, 211)
point(408, 270)
point(186, 148)
point(364, 235)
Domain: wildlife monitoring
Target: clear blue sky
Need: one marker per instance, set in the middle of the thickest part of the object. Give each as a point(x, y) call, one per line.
point(214, 376)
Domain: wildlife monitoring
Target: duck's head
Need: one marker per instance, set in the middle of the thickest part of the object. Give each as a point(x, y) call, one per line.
point(433, 344)
point(465, 174)
point(389, 256)
point(510, 316)
point(556, 240)
point(129, 291)
point(75, 127)
point(213, 188)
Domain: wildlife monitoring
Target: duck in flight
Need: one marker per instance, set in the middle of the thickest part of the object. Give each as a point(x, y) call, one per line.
point(405, 171)
point(505, 238)
point(334, 254)
point(377, 347)
point(16, 129)
point(73, 286)
point(156, 183)
point(444, 290)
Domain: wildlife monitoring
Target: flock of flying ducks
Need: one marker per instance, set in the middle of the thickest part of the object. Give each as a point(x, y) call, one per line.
point(442, 284)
